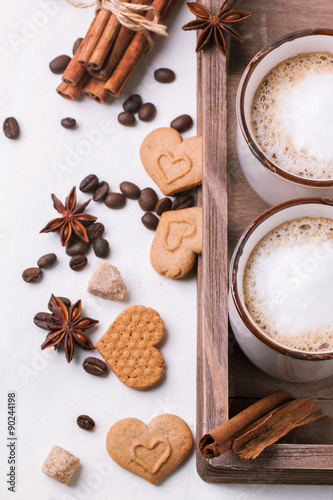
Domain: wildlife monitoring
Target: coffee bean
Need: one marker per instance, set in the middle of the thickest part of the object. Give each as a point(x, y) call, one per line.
point(182, 123)
point(126, 118)
point(164, 75)
point(147, 112)
point(163, 205)
point(42, 320)
point(130, 190)
point(101, 191)
point(65, 300)
point(132, 103)
point(95, 366)
point(115, 200)
point(101, 248)
point(183, 201)
point(85, 422)
point(150, 221)
point(89, 184)
point(148, 199)
point(95, 231)
point(59, 64)
point(11, 128)
point(76, 45)
point(78, 247)
point(47, 261)
point(78, 262)
point(32, 274)
point(69, 123)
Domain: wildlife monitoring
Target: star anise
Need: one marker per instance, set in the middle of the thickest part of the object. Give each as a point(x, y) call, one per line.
point(72, 221)
point(214, 26)
point(68, 328)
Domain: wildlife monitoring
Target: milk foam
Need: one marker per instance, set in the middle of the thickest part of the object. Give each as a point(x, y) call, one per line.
point(288, 284)
point(292, 115)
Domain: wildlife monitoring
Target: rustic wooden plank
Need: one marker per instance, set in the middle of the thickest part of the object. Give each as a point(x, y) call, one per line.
point(213, 266)
point(282, 476)
point(311, 461)
point(279, 464)
point(201, 415)
point(282, 456)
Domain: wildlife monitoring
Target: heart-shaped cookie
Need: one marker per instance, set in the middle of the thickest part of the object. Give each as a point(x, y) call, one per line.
point(174, 164)
point(173, 168)
point(150, 451)
point(153, 455)
point(177, 240)
point(176, 232)
point(128, 347)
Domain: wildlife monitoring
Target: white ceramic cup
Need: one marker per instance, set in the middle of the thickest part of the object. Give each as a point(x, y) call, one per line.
point(273, 358)
point(270, 182)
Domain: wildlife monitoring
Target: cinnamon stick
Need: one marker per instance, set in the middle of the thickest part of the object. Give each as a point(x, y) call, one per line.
point(69, 92)
point(91, 40)
point(94, 89)
point(121, 43)
point(104, 44)
point(134, 52)
point(269, 429)
point(74, 71)
point(219, 440)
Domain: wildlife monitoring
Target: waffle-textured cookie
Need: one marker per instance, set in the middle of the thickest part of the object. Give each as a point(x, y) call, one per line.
point(150, 451)
point(177, 240)
point(128, 347)
point(175, 165)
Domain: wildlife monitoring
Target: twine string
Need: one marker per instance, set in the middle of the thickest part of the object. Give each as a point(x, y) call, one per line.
point(128, 16)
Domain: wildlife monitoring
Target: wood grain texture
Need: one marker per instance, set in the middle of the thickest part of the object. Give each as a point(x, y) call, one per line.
point(229, 204)
point(213, 266)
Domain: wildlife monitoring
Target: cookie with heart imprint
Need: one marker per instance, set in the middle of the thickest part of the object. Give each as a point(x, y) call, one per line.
point(128, 347)
point(150, 451)
point(177, 240)
point(175, 165)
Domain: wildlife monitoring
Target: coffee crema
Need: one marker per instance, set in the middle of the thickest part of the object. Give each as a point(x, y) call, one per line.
point(288, 284)
point(292, 115)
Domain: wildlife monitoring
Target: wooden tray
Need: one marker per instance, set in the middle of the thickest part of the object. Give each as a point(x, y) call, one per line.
point(305, 456)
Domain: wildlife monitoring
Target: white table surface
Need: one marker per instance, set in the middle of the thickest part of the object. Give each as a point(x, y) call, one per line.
point(50, 392)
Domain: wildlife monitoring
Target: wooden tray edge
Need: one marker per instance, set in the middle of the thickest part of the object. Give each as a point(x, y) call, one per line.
point(208, 62)
point(227, 475)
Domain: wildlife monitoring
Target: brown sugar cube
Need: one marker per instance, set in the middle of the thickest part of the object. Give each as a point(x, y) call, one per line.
point(106, 282)
point(60, 464)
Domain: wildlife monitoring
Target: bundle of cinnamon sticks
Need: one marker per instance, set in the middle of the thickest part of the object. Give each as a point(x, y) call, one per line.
point(259, 426)
point(108, 55)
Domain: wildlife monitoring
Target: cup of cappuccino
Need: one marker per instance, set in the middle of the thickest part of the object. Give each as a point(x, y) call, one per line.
point(281, 290)
point(285, 118)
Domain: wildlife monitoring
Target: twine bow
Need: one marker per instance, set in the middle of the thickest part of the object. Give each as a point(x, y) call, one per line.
point(127, 14)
